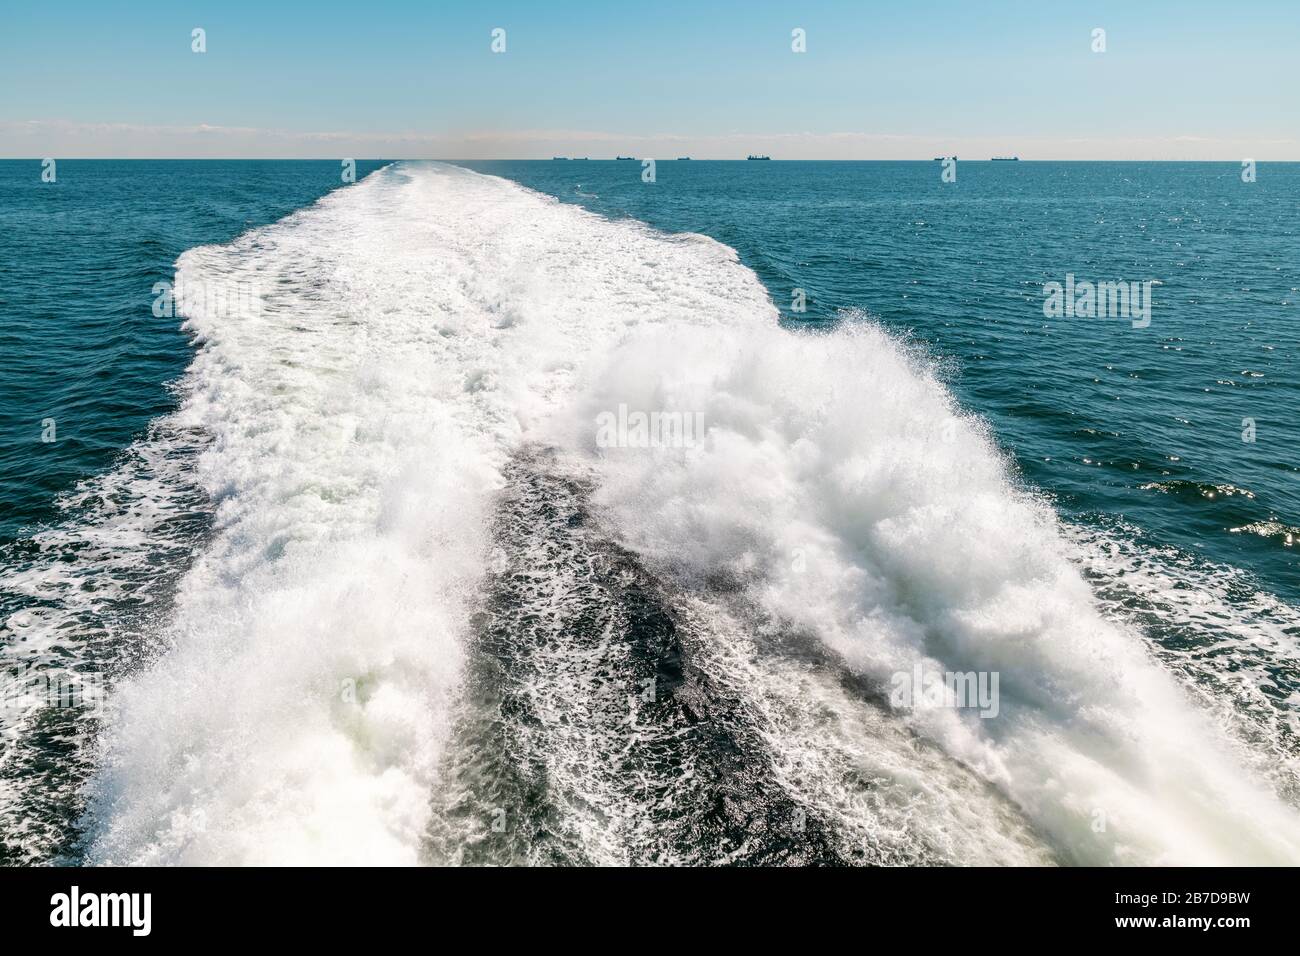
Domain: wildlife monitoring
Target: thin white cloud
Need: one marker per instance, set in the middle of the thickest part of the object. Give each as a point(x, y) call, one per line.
point(70, 139)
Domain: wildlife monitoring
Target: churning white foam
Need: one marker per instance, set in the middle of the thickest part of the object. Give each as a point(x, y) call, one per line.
point(408, 332)
point(840, 485)
point(418, 327)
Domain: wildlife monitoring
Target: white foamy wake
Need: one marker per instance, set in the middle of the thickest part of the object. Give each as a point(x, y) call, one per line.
point(411, 329)
point(840, 486)
point(415, 330)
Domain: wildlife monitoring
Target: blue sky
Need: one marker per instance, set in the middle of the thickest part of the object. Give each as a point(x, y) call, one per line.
point(1185, 80)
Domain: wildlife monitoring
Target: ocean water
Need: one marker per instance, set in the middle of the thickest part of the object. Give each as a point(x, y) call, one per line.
point(341, 541)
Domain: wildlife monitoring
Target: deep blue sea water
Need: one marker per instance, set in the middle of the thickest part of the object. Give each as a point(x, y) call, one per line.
point(376, 477)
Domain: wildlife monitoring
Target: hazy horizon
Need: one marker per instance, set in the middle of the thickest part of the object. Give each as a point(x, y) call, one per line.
point(126, 141)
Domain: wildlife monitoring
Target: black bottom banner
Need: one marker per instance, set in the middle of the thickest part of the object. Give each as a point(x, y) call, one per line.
point(1171, 907)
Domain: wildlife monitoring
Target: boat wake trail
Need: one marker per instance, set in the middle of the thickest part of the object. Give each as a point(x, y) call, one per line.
point(440, 612)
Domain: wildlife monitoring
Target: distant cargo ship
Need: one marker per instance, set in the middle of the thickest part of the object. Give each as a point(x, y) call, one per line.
point(553, 158)
point(758, 157)
point(940, 159)
point(682, 159)
point(625, 157)
point(1006, 159)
